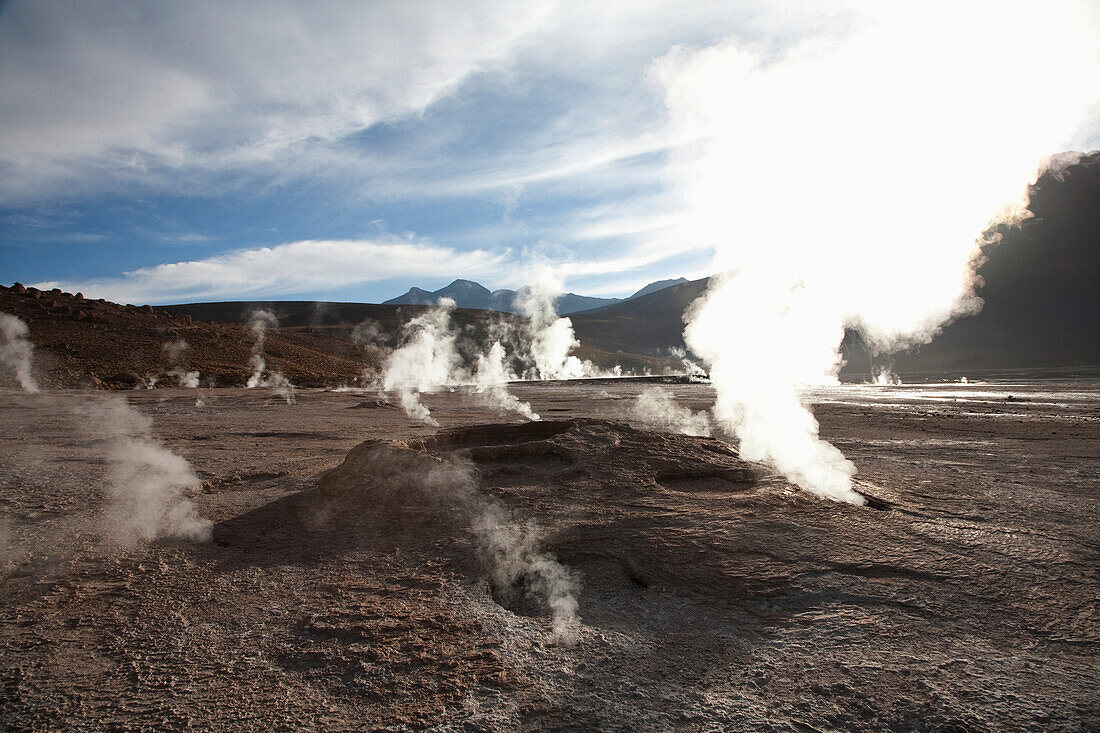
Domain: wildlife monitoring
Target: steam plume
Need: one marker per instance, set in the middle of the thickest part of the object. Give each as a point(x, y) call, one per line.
point(184, 378)
point(174, 351)
point(16, 350)
point(552, 337)
point(510, 549)
point(146, 496)
point(425, 362)
point(846, 181)
point(691, 368)
point(258, 323)
point(656, 408)
point(491, 383)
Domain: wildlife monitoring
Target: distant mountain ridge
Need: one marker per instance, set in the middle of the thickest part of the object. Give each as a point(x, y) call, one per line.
point(470, 294)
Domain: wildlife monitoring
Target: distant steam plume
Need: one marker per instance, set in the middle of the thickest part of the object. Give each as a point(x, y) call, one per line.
point(884, 375)
point(258, 323)
point(657, 408)
point(691, 368)
point(174, 352)
point(148, 484)
point(184, 378)
point(16, 350)
point(425, 361)
point(846, 181)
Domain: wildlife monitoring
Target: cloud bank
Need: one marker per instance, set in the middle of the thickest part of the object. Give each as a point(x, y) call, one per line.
point(287, 269)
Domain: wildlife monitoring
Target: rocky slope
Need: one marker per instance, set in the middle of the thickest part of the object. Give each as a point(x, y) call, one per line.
point(96, 343)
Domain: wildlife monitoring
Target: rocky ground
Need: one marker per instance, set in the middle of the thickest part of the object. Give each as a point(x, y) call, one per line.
point(710, 595)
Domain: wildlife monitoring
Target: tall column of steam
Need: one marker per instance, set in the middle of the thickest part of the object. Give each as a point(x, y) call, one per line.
point(552, 337)
point(258, 323)
point(16, 350)
point(847, 180)
point(425, 361)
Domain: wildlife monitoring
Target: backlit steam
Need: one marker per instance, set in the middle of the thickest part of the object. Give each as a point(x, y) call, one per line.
point(16, 350)
point(146, 496)
point(551, 337)
point(491, 383)
point(657, 408)
point(846, 181)
point(425, 362)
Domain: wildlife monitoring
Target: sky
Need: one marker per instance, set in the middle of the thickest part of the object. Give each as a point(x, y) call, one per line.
point(156, 152)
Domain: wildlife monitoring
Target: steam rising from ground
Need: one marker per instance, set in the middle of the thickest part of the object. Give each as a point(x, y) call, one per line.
point(174, 351)
point(258, 323)
point(395, 479)
point(657, 408)
point(518, 566)
point(691, 368)
point(433, 355)
point(425, 362)
point(428, 360)
point(148, 484)
point(16, 350)
point(846, 182)
point(551, 336)
point(491, 383)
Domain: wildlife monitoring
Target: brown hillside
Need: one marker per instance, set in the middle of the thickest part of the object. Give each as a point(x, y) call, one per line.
point(97, 343)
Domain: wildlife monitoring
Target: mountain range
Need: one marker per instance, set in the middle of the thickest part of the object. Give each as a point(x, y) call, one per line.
point(469, 294)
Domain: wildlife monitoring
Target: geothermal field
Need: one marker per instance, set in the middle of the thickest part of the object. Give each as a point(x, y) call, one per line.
point(550, 366)
point(223, 560)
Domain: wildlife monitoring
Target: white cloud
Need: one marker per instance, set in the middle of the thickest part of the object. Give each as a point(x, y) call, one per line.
point(123, 89)
point(286, 269)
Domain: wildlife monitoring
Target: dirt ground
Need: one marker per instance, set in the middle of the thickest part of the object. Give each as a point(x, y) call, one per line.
point(711, 595)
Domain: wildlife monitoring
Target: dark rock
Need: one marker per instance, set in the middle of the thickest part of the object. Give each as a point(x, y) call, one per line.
point(123, 380)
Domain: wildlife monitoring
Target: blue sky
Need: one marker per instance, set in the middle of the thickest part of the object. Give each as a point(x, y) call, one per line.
point(170, 152)
point(192, 151)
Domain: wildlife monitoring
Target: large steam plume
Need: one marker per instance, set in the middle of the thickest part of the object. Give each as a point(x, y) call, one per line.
point(425, 362)
point(16, 350)
point(148, 484)
point(846, 181)
point(551, 336)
